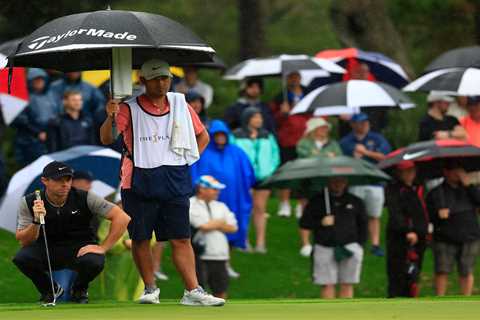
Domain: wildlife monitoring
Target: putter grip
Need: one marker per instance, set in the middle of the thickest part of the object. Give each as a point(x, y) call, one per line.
point(39, 197)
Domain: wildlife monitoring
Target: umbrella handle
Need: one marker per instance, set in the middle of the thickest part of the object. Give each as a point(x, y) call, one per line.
point(326, 195)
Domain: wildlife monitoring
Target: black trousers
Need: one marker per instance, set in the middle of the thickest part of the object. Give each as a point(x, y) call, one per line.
point(32, 262)
point(398, 283)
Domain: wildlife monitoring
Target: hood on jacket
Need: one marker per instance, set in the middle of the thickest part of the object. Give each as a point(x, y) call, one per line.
point(217, 126)
point(247, 114)
point(34, 73)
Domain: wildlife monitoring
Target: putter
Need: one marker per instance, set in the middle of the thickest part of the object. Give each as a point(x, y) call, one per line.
point(42, 225)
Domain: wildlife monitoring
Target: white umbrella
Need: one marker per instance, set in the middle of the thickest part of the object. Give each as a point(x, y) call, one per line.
point(102, 162)
point(349, 96)
point(279, 65)
point(462, 81)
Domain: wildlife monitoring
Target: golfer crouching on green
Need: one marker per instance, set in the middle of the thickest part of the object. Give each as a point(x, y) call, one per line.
point(67, 214)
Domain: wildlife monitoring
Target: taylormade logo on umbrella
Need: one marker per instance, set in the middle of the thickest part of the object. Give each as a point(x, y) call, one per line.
point(40, 42)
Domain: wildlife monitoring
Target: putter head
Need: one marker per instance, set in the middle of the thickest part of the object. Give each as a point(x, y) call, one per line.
point(50, 304)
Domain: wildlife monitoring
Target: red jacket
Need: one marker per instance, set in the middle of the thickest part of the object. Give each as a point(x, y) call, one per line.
point(290, 128)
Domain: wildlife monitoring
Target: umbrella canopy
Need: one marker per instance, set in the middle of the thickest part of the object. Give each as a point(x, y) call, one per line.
point(465, 57)
point(279, 65)
point(14, 102)
point(216, 63)
point(430, 156)
point(382, 68)
point(84, 41)
point(347, 97)
point(317, 171)
point(103, 163)
point(456, 80)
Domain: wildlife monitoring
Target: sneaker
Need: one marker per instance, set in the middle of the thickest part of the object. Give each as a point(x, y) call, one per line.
point(260, 249)
point(159, 275)
point(49, 297)
point(198, 297)
point(298, 211)
point(306, 250)
point(285, 209)
point(377, 251)
point(150, 296)
point(232, 273)
point(79, 296)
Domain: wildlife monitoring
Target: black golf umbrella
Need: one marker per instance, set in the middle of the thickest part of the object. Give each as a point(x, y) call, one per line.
point(84, 41)
point(216, 63)
point(6, 49)
point(431, 156)
point(466, 57)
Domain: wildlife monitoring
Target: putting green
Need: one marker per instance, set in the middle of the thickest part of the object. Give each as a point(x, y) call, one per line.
point(424, 309)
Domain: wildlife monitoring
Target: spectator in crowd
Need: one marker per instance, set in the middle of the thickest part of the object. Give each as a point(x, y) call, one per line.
point(71, 241)
point(339, 236)
point(453, 211)
point(72, 128)
point(212, 219)
point(31, 125)
point(471, 122)
point(437, 124)
point(191, 82)
point(262, 150)
point(362, 143)
point(231, 165)
point(72, 81)
point(407, 232)
point(458, 108)
point(249, 96)
point(197, 102)
point(315, 143)
point(290, 129)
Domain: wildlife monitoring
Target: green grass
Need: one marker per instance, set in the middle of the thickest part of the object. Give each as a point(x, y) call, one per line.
point(281, 273)
point(267, 309)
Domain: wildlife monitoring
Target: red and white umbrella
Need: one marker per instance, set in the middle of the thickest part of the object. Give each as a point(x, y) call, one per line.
point(14, 102)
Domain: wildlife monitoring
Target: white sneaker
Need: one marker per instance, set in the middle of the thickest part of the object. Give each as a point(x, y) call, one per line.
point(285, 209)
point(152, 297)
point(232, 273)
point(298, 211)
point(159, 275)
point(198, 297)
point(306, 250)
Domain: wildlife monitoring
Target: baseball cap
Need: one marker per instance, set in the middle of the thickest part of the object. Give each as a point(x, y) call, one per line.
point(359, 117)
point(56, 170)
point(406, 164)
point(439, 96)
point(315, 123)
point(210, 182)
point(84, 175)
point(154, 68)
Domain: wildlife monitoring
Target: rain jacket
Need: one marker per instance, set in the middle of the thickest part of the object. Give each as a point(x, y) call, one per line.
point(42, 108)
point(263, 151)
point(93, 99)
point(307, 148)
point(231, 167)
point(233, 114)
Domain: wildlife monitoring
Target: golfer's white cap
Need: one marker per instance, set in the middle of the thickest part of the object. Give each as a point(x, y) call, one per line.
point(154, 68)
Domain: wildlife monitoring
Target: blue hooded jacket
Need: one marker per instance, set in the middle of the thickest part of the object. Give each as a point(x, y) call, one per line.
point(42, 107)
point(230, 165)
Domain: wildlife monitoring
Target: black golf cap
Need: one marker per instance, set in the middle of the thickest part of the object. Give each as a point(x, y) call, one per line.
point(56, 170)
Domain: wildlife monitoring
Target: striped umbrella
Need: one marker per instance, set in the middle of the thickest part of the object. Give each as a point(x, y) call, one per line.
point(465, 82)
point(279, 65)
point(349, 96)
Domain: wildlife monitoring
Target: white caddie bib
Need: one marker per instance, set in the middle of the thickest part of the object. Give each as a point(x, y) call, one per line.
point(151, 139)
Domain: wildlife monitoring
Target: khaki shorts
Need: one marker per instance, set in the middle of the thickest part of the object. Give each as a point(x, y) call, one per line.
point(446, 255)
point(326, 270)
point(373, 198)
